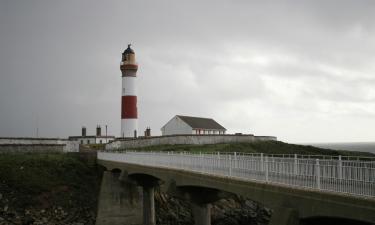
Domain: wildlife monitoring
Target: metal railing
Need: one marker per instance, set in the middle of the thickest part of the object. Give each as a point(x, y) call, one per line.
point(355, 177)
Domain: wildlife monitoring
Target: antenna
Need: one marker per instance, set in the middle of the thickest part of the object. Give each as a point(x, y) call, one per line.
point(37, 126)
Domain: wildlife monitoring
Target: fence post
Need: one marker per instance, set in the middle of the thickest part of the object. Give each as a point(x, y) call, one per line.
point(182, 159)
point(201, 160)
point(317, 172)
point(168, 161)
point(266, 168)
point(230, 165)
point(235, 160)
point(218, 160)
point(295, 164)
point(339, 169)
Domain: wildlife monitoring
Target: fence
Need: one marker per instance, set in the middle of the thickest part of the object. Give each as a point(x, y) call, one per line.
point(334, 174)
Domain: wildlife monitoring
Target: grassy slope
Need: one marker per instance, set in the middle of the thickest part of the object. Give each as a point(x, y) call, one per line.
point(270, 147)
point(49, 179)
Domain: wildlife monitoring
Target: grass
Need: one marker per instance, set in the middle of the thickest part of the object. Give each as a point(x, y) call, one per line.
point(61, 178)
point(268, 147)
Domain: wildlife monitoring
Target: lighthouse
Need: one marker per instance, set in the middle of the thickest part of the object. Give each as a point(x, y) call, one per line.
point(129, 114)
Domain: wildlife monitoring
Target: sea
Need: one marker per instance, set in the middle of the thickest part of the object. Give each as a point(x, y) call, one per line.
point(350, 146)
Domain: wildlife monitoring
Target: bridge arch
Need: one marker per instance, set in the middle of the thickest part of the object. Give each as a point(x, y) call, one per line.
point(200, 194)
point(116, 173)
point(144, 179)
point(116, 170)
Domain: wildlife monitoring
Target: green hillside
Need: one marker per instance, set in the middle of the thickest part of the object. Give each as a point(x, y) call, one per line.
point(268, 147)
point(48, 189)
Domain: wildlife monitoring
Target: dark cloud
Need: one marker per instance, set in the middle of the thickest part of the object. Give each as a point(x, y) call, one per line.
point(303, 71)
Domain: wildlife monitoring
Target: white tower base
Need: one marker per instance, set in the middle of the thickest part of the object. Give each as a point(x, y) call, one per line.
point(128, 126)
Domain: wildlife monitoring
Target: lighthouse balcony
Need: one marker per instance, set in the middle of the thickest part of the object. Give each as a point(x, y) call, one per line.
point(128, 66)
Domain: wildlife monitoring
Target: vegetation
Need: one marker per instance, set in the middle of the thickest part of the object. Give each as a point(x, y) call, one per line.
point(49, 179)
point(268, 147)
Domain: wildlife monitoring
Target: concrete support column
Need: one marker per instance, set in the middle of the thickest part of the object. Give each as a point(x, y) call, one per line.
point(201, 213)
point(119, 201)
point(200, 199)
point(148, 206)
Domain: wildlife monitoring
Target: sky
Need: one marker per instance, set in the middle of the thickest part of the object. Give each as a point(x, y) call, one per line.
point(303, 71)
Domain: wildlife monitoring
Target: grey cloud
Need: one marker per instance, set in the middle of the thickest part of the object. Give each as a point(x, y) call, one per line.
point(59, 62)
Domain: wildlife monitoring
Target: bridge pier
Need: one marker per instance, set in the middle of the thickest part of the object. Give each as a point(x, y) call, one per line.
point(148, 184)
point(201, 213)
point(148, 205)
point(200, 199)
point(119, 201)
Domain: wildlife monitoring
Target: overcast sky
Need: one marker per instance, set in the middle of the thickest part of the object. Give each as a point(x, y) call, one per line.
point(303, 71)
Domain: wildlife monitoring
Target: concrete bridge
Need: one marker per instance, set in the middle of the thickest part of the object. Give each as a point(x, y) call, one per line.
point(299, 189)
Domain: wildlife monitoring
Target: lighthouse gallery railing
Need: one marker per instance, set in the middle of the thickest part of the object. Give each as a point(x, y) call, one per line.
point(333, 174)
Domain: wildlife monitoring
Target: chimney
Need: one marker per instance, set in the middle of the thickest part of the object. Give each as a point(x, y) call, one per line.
point(83, 131)
point(98, 131)
point(148, 132)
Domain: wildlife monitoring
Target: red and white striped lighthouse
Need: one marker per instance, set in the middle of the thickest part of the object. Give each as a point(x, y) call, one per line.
point(129, 114)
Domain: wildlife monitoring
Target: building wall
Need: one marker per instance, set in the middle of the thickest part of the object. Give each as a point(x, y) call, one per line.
point(207, 131)
point(86, 140)
point(103, 139)
point(43, 143)
point(176, 126)
point(185, 139)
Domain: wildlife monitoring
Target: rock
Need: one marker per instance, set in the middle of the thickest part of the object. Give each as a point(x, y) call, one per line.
point(44, 219)
point(268, 211)
point(5, 208)
point(250, 204)
point(11, 214)
point(226, 221)
point(78, 224)
point(27, 220)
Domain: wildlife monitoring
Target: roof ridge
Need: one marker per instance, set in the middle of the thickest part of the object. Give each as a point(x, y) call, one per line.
point(195, 117)
point(201, 122)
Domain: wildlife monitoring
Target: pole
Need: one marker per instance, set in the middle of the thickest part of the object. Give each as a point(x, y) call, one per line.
point(106, 134)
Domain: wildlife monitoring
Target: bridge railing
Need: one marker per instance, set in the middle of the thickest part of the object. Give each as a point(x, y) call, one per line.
point(353, 177)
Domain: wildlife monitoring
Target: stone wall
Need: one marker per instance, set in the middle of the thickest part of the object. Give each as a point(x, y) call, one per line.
point(10, 144)
point(36, 148)
point(185, 140)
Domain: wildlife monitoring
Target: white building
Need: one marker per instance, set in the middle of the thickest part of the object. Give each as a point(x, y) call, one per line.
point(92, 139)
point(192, 125)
